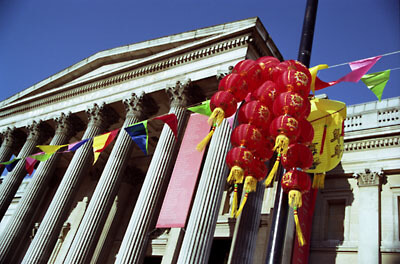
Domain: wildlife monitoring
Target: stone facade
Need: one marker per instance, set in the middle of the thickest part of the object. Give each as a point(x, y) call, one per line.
point(76, 212)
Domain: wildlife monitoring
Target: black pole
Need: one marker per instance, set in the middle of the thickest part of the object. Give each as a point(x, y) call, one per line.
point(279, 218)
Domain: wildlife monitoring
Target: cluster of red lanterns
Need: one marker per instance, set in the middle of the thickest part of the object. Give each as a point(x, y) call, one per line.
point(276, 108)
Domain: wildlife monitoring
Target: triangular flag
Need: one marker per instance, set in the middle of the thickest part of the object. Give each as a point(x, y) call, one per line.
point(50, 149)
point(139, 134)
point(314, 71)
point(11, 164)
point(41, 156)
point(101, 142)
point(172, 121)
point(376, 82)
point(76, 145)
point(358, 69)
point(203, 108)
point(30, 164)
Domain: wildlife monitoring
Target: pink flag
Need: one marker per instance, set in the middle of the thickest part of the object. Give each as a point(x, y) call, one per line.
point(30, 164)
point(172, 121)
point(358, 69)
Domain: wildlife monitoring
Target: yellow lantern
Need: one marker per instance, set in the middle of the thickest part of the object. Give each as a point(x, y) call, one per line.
point(326, 117)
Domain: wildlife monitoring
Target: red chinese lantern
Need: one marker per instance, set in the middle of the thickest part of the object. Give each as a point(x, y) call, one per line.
point(265, 94)
point(284, 129)
point(307, 107)
point(291, 65)
point(235, 84)
point(264, 150)
point(251, 71)
point(289, 103)
point(295, 183)
point(246, 135)
point(294, 81)
point(238, 160)
point(297, 156)
point(267, 64)
point(306, 132)
point(255, 113)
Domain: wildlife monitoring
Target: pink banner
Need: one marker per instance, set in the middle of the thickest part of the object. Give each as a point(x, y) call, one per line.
point(306, 212)
point(178, 197)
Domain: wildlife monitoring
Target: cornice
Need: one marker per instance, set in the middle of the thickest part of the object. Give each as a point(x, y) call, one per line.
point(161, 65)
point(370, 144)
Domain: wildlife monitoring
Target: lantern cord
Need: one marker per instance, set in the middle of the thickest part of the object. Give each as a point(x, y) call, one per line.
point(234, 201)
point(202, 145)
point(299, 233)
point(242, 205)
point(323, 140)
point(319, 181)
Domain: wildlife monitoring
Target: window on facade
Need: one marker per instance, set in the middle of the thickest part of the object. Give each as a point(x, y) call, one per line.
point(335, 220)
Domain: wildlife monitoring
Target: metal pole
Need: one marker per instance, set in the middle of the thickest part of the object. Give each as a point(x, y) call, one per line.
point(280, 213)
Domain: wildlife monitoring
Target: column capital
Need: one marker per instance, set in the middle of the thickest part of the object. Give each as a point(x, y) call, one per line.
point(39, 130)
point(12, 137)
point(134, 105)
point(101, 115)
point(67, 124)
point(178, 93)
point(369, 178)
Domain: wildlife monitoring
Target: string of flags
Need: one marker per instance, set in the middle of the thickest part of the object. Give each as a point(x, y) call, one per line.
point(138, 132)
point(376, 82)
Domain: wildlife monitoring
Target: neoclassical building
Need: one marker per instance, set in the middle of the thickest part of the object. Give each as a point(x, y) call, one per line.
point(73, 211)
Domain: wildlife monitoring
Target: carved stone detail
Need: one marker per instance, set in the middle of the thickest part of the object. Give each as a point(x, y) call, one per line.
point(8, 136)
point(369, 178)
point(101, 115)
point(134, 106)
point(179, 93)
point(39, 131)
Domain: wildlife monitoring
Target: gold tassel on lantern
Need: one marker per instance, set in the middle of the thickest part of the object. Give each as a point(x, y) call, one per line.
point(299, 233)
point(236, 175)
point(296, 202)
point(281, 147)
point(234, 201)
point(216, 117)
point(250, 185)
point(205, 140)
point(319, 181)
point(272, 173)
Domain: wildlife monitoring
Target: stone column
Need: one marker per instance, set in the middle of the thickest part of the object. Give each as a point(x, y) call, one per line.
point(10, 138)
point(100, 204)
point(37, 131)
point(42, 245)
point(246, 229)
point(134, 243)
point(369, 183)
point(200, 229)
point(21, 222)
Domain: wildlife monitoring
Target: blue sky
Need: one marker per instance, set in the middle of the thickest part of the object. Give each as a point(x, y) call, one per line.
point(41, 38)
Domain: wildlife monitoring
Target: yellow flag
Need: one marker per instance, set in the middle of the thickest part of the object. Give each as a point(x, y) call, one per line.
point(313, 72)
point(50, 149)
point(326, 117)
point(101, 142)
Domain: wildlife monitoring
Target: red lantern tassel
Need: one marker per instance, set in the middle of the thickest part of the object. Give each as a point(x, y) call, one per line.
point(234, 201)
point(216, 117)
point(323, 140)
point(202, 145)
point(319, 181)
point(299, 233)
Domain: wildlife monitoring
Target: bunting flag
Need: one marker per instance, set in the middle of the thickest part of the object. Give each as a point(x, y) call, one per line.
point(376, 82)
point(314, 70)
point(358, 69)
point(50, 149)
point(172, 121)
point(41, 156)
point(30, 164)
point(101, 142)
point(203, 108)
point(11, 164)
point(76, 145)
point(139, 134)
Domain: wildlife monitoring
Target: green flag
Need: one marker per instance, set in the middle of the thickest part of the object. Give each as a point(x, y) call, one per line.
point(376, 82)
point(203, 108)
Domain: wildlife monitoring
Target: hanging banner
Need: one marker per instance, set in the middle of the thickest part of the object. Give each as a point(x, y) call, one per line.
point(178, 197)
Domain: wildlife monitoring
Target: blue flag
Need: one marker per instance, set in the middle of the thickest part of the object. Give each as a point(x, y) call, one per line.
point(139, 134)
